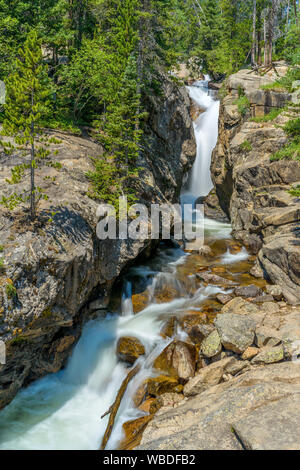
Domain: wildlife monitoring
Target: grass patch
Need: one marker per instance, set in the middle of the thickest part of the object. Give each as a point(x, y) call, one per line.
point(243, 105)
point(1, 248)
point(11, 291)
point(268, 117)
point(295, 191)
point(1, 264)
point(290, 152)
point(246, 145)
point(275, 86)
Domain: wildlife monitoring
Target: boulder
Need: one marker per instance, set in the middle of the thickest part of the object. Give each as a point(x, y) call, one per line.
point(236, 331)
point(269, 356)
point(248, 291)
point(211, 346)
point(162, 384)
point(240, 306)
point(275, 291)
point(129, 349)
point(177, 360)
point(263, 298)
point(266, 336)
point(208, 376)
point(205, 251)
point(199, 332)
point(224, 298)
point(214, 279)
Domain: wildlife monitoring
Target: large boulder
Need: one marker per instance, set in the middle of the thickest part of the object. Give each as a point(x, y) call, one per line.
point(237, 332)
point(129, 349)
point(178, 359)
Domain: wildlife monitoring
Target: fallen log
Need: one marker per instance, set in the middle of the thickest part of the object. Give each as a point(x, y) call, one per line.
point(113, 410)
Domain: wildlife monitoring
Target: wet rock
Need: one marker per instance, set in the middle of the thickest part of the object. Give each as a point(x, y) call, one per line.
point(236, 331)
point(224, 298)
point(205, 251)
point(275, 291)
point(148, 405)
point(129, 349)
point(250, 353)
point(169, 328)
point(99, 304)
point(140, 302)
point(134, 432)
point(248, 291)
point(178, 360)
point(163, 384)
point(199, 332)
point(211, 346)
point(269, 356)
point(214, 279)
point(208, 376)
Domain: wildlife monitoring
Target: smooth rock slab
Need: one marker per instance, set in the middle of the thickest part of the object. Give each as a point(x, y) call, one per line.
point(236, 331)
point(272, 427)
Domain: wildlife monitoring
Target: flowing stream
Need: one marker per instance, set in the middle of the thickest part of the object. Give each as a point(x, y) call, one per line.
point(63, 410)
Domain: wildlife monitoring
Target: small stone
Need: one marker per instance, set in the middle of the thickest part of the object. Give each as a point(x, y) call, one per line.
point(214, 279)
point(205, 251)
point(250, 353)
point(199, 332)
point(211, 346)
point(248, 291)
point(256, 271)
point(163, 384)
point(269, 356)
point(275, 291)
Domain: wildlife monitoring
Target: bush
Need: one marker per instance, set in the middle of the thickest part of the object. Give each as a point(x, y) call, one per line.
point(295, 191)
point(290, 152)
point(246, 146)
point(268, 117)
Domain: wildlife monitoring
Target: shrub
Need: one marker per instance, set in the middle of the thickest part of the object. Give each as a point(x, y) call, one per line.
point(295, 191)
point(268, 117)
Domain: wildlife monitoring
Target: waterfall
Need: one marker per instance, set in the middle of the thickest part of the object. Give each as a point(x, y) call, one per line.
point(206, 133)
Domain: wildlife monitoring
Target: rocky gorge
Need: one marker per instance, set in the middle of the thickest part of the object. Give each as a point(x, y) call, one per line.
point(209, 350)
point(60, 273)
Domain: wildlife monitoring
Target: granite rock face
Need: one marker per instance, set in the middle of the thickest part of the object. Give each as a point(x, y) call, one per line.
point(252, 189)
point(58, 268)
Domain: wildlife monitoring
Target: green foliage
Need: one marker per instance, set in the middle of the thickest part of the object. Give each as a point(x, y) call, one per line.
point(1, 248)
point(242, 103)
point(268, 117)
point(290, 152)
point(11, 291)
point(2, 264)
point(295, 191)
point(246, 145)
point(292, 128)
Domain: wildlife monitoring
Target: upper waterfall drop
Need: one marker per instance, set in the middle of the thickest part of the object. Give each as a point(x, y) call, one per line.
point(206, 134)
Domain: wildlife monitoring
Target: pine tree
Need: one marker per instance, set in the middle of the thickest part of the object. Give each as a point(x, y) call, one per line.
point(26, 104)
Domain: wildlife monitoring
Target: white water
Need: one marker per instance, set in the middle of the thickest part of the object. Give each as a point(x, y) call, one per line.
point(206, 133)
point(63, 410)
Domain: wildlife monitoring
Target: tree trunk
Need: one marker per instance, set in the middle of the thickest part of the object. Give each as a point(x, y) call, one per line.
point(296, 11)
point(287, 17)
point(32, 167)
point(115, 407)
point(253, 35)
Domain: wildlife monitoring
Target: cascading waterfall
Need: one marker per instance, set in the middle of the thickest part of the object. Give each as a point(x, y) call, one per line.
point(206, 133)
point(63, 410)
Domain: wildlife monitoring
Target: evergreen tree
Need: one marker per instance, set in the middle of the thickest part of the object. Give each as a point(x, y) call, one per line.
point(26, 105)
